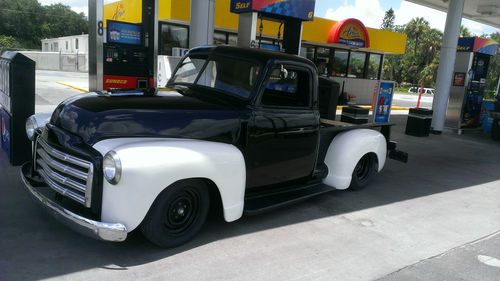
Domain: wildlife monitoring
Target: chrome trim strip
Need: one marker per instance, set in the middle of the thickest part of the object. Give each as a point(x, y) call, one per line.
point(64, 191)
point(88, 190)
point(35, 148)
point(63, 156)
point(61, 167)
point(60, 178)
point(115, 232)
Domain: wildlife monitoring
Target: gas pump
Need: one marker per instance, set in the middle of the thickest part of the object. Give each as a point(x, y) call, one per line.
point(469, 83)
point(289, 13)
point(125, 57)
point(122, 55)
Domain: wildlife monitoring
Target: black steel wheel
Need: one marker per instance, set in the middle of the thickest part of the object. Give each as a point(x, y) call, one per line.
point(178, 214)
point(363, 172)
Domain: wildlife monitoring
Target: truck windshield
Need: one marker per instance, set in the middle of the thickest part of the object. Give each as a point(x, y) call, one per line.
point(236, 77)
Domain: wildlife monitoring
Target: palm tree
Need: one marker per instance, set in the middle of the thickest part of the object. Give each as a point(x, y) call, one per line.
point(464, 31)
point(415, 30)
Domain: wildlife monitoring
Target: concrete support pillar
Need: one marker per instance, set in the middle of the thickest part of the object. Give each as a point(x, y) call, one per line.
point(446, 63)
point(96, 40)
point(150, 25)
point(292, 36)
point(247, 29)
point(201, 28)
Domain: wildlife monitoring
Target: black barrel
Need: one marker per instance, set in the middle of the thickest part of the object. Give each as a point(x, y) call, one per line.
point(419, 122)
point(354, 114)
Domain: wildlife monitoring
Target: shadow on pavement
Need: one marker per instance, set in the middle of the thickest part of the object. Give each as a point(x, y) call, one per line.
point(34, 246)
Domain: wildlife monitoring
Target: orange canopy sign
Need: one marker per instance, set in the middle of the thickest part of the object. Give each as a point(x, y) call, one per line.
point(350, 32)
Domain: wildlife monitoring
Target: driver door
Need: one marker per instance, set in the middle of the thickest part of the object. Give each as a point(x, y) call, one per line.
point(283, 132)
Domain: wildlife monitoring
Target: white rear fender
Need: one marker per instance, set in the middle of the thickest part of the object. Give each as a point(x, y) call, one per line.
point(347, 149)
point(151, 165)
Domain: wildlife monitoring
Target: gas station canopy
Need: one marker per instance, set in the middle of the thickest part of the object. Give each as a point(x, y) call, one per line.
point(483, 11)
point(316, 31)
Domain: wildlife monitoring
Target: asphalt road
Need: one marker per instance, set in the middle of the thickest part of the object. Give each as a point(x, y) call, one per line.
point(435, 218)
point(411, 100)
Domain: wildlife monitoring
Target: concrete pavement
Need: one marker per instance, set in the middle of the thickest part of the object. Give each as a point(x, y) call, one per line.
point(49, 93)
point(472, 261)
point(446, 197)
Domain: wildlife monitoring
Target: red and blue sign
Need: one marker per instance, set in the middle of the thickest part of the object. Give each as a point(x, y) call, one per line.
point(299, 9)
point(477, 45)
point(383, 102)
point(351, 32)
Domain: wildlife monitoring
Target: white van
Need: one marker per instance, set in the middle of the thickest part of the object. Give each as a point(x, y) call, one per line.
point(429, 91)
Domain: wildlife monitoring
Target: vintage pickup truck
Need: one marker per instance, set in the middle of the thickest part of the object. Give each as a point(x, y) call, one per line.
point(238, 127)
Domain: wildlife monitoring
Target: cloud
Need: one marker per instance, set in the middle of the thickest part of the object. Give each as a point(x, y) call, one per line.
point(370, 12)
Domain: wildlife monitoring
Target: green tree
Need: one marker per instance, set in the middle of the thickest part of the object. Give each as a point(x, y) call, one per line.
point(464, 31)
point(7, 42)
point(415, 30)
point(29, 22)
point(388, 21)
point(420, 62)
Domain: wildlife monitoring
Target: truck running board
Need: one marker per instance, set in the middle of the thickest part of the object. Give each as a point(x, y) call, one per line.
point(263, 202)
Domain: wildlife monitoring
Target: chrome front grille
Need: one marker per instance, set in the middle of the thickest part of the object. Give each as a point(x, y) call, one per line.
point(66, 174)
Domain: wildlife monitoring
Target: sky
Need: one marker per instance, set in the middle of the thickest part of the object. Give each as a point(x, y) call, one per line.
point(370, 12)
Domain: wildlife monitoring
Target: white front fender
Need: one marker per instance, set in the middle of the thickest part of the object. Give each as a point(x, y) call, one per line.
point(347, 149)
point(151, 165)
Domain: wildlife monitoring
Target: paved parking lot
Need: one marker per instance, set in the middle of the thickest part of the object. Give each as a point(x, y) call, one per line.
point(430, 219)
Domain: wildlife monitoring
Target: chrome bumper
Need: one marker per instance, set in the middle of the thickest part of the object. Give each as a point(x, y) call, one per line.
point(100, 230)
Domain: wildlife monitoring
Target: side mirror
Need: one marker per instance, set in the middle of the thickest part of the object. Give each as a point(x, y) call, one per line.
point(283, 72)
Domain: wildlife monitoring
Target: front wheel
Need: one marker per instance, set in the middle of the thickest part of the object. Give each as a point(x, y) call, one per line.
point(178, 214)
point(363, 172)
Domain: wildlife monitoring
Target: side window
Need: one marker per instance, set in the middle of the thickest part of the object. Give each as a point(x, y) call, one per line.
point(287, 86)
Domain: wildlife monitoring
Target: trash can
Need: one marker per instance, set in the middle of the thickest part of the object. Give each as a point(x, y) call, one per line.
point(328, 91)
point(495, 126)
point(354, 114)
point(17, 103)
point(419, 122)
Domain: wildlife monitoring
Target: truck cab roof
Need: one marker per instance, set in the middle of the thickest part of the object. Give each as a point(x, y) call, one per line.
point(250, 53)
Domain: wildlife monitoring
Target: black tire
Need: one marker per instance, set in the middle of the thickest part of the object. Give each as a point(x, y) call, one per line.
point(177, 214)
point(363, 172)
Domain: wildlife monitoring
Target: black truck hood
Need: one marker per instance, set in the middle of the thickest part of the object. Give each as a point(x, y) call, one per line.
point(94, 117)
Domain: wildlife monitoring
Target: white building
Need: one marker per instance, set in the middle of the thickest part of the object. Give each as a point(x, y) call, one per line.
point(69, 44)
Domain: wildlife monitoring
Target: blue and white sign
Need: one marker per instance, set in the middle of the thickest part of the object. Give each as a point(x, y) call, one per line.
point(383, 102)
point(123, 33)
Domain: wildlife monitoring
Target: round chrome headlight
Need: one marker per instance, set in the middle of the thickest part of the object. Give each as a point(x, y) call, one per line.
point(112, 167)
point(30, 128)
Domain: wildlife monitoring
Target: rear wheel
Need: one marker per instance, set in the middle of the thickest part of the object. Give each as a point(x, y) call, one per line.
point(178, 214)
point(363, 172)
